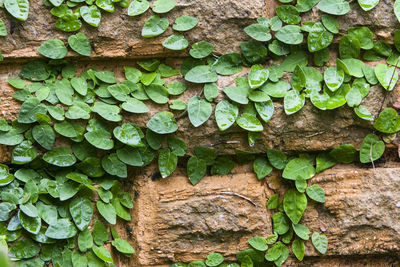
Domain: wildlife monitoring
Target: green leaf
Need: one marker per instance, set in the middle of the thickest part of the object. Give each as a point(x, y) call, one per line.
point(298, 249)
point(277, 253)
point(301, 231)
point(28, 110)
point(154, 26)
point(364, 35)
point(333, 78)
point(277, 90)
point(320, 242)
point(330, 23)
point(316, 193)
point(133, 105)
point(80, 43)
point(367, 5)
point(288, 14)
point(249, 122)
point(298, 168)
point(290, 34)
point(185, 23)
point(3, 30)
point(11, 138)
point(54, 49)
point(258, 243)
point(176, 42)
point(196, 169)
point(112, 165)
point(100, 139)
point(318, 38)
point(106, 5)
point(123, 246)
point(273, 202)
point(167, 162)
point(128, 135)
point(5, 176)
point(81, 211)
point(108, 112)
point(257, 76)
point(106, 76)
point(78, 259)
point(36, 70)
point(265, 110)
point(24, 248)
point(60, 156)
point(85, 240)
point(177, 146)
point(63, 229)
point(387, 76)
point(372, 148)
point(157, 93)
point(23, 153)
point(396, 8)
point(201, 49)
point(306, 5)
point(324, 161)
point(349, 47)
point(30, 224)
point(293, 102)
point(344, 153)
point(19, 9)
point(163, 123)
point(258, 32)
point(228, 64)
point(334, 7)
point(294, 204)
point(103, 254)
point(47, 212)
point(261, 167)
point(91, 15)
point(107, 210)
point(201, 74)
point(238, 94)
point(199, 110)
point(254, 52)
point(69, 22)
point(214, 259)
point(163, 6)
point(277, 158)
point(137, 7)
point(100, 234)
point(225, 114)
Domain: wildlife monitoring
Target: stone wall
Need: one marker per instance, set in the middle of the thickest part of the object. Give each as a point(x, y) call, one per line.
point(175, 221)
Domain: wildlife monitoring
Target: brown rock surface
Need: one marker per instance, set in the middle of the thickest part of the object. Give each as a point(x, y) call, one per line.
point(119, 35)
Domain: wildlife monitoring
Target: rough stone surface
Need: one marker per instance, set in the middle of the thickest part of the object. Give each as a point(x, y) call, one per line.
point(119, 35)
point(175, 221)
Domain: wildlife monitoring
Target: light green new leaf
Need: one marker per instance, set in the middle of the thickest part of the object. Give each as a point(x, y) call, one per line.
point(257, 76)
point(333, 78)
point(19, 9)
point(367, 5)
point(298, 249)
point(123, 246)
point(293, 102)
point(320, 242)
point(103, 254)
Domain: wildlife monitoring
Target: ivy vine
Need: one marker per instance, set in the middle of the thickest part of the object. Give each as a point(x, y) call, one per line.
point(71, 147)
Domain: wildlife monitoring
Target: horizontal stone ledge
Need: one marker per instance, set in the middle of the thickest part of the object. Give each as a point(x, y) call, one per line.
point(177, 222)
point(222, 23)
point(119, 35)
